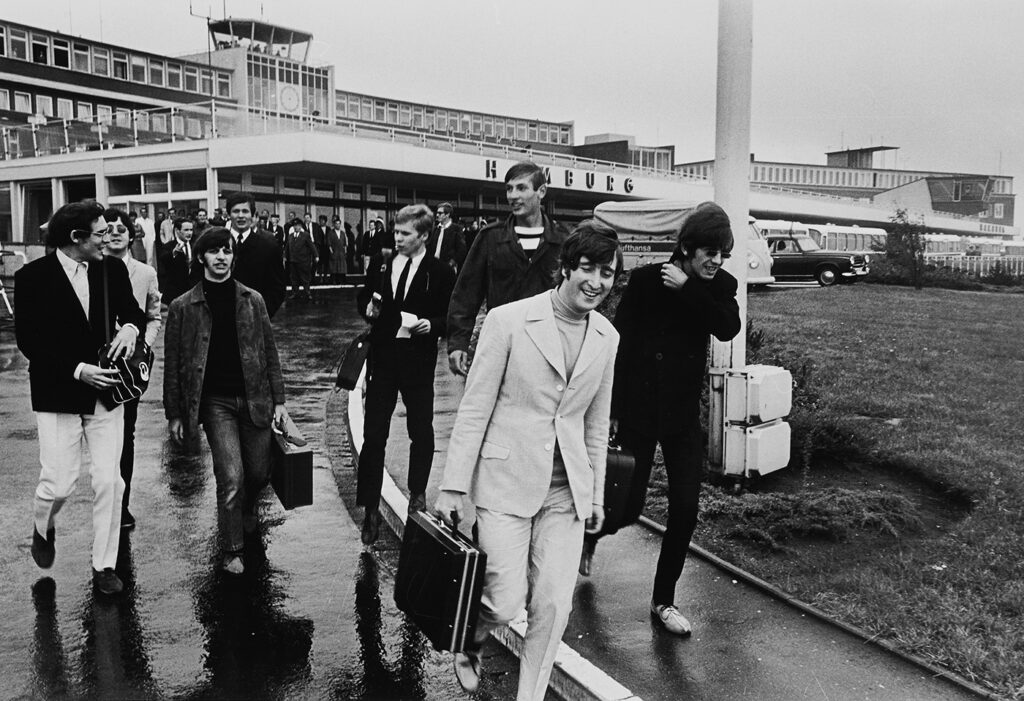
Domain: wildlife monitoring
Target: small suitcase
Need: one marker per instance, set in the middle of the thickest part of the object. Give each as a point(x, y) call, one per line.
point(292, 469)
point(618, 481)
point(439, 581)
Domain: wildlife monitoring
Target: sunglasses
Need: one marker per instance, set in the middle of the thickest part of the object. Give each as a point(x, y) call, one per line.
point(119, 228)
point(83, 233)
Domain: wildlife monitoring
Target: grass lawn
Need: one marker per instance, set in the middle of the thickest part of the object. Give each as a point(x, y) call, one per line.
point(902, 510)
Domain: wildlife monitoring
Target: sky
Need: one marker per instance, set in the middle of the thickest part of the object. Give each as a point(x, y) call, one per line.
point(942, 80)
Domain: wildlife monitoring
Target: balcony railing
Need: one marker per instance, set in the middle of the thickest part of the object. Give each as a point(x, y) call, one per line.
point(214, 119)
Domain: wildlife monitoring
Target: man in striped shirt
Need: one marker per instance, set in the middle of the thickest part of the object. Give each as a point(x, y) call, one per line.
point(509, 260)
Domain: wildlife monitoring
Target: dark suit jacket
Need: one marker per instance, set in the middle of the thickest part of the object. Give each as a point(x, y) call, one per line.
point(278, 233)
point(175, 268)
point(663, 347)
point(300, 249)
point(258, 265)
point(426, 296)
point(55, 335)
point(453, 246)
point(497, 270)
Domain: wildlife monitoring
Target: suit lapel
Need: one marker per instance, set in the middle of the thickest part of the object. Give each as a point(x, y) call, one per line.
point(593, 345)
point(540, 327)
point(68, 292)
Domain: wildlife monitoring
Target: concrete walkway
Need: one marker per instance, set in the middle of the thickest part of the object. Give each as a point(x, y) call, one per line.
point(746, 644)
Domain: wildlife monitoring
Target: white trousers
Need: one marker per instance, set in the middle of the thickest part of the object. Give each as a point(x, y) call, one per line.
point(531, 562)
point(62, 438)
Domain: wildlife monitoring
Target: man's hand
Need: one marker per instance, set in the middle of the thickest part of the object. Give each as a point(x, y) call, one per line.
point(420, 328)
point(613, 430)
point(280, 416)
point(100, 378)
point(177, 430)
point(123, 344)
point(447, 502)
point(596, 520)
point(372, 310)
point(458, 362)
point(672, 277)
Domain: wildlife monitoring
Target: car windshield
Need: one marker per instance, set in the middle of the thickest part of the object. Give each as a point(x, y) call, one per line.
point(806, 244)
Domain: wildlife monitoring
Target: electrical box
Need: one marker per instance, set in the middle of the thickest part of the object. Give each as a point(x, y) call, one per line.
point(758, 393)
point(759, 449)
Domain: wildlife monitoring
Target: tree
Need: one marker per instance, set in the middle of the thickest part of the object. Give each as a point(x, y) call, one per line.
point(904, 246)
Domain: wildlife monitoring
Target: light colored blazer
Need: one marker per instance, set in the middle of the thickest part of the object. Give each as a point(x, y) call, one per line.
point(518, 402)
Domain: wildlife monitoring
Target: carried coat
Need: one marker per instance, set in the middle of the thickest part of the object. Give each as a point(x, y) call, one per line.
point(518, 402)
point(663, 353)
point(187, 344)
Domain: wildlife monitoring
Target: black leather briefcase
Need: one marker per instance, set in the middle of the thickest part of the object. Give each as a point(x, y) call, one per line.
point(439, 581)
point(618, 481)
point(292, 467)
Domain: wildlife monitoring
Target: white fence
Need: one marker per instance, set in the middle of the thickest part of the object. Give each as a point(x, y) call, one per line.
point(980, 266)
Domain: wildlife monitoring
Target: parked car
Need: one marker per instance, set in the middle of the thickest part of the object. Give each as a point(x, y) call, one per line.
point(795, 256)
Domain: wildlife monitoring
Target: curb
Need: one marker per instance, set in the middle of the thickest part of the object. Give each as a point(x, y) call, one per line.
point(574, 678)
point(806, 608)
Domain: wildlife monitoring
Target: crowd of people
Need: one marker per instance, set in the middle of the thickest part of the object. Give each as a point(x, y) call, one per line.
point(549, 382)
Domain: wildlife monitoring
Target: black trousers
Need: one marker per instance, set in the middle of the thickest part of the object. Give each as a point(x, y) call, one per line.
point(397, 366)
point(131, 415)
point(684, 465)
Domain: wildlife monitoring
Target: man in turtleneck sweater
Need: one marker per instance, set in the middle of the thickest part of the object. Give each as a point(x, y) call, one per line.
point(509, 260)
point(529, 448)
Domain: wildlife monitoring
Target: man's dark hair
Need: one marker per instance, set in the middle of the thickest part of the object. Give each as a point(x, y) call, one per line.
point(598, 242)
point(71, 217)
point(178, 221)
point(236, 198)
point(113, 214)
point(322, 217)
point(527, 169)
point(275, 215)
point(707, 226)
point(418, 215)
point(201, 209)
point(216, 237)
point(446, 207)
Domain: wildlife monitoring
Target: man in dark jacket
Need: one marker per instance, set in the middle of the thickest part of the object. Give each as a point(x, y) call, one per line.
point(258, 258)
point(446, 242)
point(408, 317)
point(509, 260)
point(64, 313)
point(664, 319)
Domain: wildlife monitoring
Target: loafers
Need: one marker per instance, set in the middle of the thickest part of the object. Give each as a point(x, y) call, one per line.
point(467, 670)
point(371, 527)
point(43, 550)
point(670, 617)
point(107, 582)
point(417, 502)
point(587, 557)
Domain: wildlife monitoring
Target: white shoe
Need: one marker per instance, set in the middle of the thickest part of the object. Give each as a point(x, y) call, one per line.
point(467, 670)
point(670, 617)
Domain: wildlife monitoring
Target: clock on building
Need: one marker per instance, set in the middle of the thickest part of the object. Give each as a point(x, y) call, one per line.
point(288, 98)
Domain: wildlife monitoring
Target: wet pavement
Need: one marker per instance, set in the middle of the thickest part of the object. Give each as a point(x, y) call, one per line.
point(312, 618)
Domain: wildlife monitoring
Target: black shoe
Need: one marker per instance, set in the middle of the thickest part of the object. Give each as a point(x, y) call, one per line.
point(43, 551)
point(44, 595)
point(371, 527)
point(417, 502)
point(127, 520)
point(107, 582)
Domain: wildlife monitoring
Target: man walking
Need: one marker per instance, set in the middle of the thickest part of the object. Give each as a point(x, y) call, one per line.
point(529, 448)
point(300, 256)
point(406, 302)
point(509, 260)
point(257, 258)
point(446, 241)
point(61, 327)
point(176, 259)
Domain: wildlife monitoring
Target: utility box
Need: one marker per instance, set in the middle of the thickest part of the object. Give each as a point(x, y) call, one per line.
point(757, 440)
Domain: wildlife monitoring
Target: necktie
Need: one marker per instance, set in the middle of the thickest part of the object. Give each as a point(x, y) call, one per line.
point(440, 237)
point(80, 281)
point(402, 280)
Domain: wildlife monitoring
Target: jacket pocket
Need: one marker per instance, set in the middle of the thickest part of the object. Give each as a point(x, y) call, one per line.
point(493, 450)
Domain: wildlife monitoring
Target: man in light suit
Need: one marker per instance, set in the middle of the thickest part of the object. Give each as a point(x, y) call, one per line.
point(529, 448)
point(61, 326)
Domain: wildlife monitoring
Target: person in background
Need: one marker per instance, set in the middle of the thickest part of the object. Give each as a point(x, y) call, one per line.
point(176, 260)
point(509, 260)
point(218, 217)
point(323, 248)
point(447, 243)
point(529, 449)
point(666, 315)
point(202, 222)
point(222, 370)
point(60, 327)
point(408, 318)
point(257, 258)
point(147, 294)
point(300, 257)
point(337, 247)
point(167, 226)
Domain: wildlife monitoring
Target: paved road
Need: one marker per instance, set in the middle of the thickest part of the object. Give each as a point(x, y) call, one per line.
point(314, 620)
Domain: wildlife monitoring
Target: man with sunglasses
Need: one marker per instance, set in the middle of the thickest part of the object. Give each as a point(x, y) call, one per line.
point(61, 327)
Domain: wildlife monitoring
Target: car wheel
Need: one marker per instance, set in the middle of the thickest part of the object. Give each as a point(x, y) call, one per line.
point(828, 275)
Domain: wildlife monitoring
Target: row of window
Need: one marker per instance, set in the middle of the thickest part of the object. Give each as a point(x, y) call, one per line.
point(123, 65)
point(285, 86)
point(438, 119)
